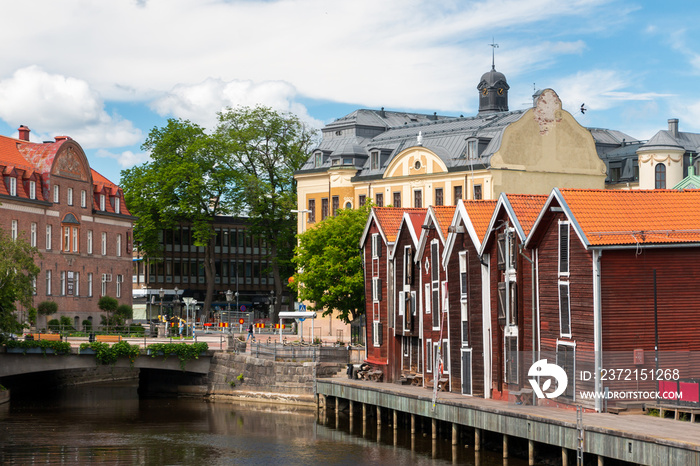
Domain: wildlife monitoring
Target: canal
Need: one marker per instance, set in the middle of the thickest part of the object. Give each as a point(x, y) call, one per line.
point(110, 424)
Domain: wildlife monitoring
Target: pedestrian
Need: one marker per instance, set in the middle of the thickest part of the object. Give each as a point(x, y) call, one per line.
point(250, 333)
point(181, 327)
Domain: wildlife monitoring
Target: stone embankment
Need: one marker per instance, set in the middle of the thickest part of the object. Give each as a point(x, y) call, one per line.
point(236, 377)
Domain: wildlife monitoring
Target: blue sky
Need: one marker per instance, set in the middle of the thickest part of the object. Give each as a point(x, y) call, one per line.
point(106, 73)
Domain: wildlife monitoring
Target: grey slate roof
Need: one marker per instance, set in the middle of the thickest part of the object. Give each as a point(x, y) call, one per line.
point(665, 140)
point(397, 131)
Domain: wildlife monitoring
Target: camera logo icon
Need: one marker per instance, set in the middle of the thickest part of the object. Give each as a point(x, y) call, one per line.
point(549, 371)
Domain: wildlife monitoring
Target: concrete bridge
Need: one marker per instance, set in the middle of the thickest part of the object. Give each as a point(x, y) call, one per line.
point(14, 364)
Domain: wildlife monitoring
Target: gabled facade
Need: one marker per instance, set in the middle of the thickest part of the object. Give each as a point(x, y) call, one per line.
point(607, 262)
point(508, 292)
point(469, 324)
point(377, 243)
point(433, 299)
point(405, 324)
point(75, 217)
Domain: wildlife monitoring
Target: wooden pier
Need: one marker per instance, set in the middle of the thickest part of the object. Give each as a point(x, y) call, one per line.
point(633, 438)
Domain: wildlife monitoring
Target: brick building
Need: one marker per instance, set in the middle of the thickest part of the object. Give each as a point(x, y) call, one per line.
point(74, 216)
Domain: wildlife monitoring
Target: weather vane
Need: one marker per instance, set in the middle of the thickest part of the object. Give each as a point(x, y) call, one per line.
point(494, 46)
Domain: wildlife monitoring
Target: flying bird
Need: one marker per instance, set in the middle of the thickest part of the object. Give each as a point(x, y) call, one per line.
point(583, 108)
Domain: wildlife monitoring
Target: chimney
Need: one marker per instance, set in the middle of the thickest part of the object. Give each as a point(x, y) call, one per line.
point(23, 133)
point(673, 127)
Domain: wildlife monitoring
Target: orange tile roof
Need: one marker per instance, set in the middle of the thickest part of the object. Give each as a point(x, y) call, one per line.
point(417, 219)
point(527, 208)
point(615, 217)
point(444, 215)
point(480, 213)
point(389, 219)
point(11, 156)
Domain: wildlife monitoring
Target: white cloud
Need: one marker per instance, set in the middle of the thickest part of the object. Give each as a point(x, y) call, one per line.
point(52, 104)
point(200, 102)
point(599, 90)
point(125, 159)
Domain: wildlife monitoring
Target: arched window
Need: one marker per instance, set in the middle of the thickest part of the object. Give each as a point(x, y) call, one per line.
point(660, 176)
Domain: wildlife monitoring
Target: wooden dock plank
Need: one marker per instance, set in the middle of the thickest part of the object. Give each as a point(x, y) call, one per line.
point(635, 438)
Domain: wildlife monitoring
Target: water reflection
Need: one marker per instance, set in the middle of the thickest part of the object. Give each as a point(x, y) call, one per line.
point(109, 424)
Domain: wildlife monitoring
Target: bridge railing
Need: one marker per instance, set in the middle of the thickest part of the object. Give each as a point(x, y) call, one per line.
point(297, 353)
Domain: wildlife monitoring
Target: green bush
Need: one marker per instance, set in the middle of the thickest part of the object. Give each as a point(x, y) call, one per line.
point(106, 354)
point(87, 326)
point(54, 324)
point(46, 308)
point(59, 347)
point(183, 351)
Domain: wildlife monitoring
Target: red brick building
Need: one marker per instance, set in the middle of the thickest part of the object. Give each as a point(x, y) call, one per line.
point(74, 216)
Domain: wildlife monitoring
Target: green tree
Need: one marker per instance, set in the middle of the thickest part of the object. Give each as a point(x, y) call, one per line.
point(124, 312)
point(17, 275)
point(109, 305)
point(187, 180)
point(47, 308)
point(329, 261)
point(265, 148)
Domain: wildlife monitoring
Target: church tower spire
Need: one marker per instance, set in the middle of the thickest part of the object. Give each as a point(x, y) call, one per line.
point(493, 88)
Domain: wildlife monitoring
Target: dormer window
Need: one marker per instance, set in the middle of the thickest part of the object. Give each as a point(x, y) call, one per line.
point(102, 202)
point(32, 189)
point(13, 186)
point(374, 160)
point(335, 162)
point(117, 204)
point(347, 161)
point(472, 149)
point(318, 159)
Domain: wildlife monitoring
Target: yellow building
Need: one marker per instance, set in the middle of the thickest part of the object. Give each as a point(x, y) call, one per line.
point(413, 160)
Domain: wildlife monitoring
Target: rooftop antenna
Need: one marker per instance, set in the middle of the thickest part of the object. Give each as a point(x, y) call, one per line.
point(494, 46)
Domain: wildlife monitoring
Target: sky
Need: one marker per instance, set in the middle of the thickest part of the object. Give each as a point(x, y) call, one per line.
point(107, 73)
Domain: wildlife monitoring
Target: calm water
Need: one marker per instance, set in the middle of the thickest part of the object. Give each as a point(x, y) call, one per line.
point(109, 424)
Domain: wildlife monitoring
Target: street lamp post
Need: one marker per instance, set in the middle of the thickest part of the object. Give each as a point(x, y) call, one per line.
point(229, 297)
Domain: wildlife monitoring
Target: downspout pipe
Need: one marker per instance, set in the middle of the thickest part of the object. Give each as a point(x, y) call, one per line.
point(597, 328)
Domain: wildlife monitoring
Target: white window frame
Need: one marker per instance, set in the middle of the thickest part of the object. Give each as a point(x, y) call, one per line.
point(65, 244)
point(13, 186)
point(376, 334)
point(103, 285)
point(48, 282)
point(63, 283)
point(560, 262)
point(564, 332)
point(48, 237)
point(83, 198)
point(76, 284)
point(117, 205)
point(445, 356)
point(56, 194)
point(32, 189)
point(89, 284)
point(104, 243)
point(402, 304)
point(120, 279)
point(32, 234)
point(119, 245)
point(428, 310)
point(467, 352)
point(445, 297)
point(15, 230)
point(376, 289)
point(76, 240)
point(376, 246)
point(429, 355)
point(572, 377)
point(89, 242)
point(69, 196)
point(435, 284)
point(102, 202)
